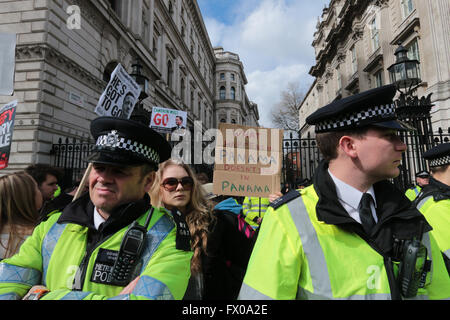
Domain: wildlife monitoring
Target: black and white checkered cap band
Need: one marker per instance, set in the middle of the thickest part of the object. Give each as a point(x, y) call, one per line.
point(350, 119)
point(113, 141)
point(440, 161)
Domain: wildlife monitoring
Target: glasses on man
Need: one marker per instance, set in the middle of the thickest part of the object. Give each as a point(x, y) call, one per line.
point(171, 184)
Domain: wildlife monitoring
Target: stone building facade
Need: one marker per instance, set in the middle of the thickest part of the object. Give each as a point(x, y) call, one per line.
point(355, 41)
point(67, 49)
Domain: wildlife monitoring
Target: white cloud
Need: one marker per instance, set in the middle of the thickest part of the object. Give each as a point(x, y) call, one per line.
point(273, 40)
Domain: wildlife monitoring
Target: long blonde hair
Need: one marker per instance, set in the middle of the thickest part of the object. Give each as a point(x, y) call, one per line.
point(198, 216)
point(18, 211)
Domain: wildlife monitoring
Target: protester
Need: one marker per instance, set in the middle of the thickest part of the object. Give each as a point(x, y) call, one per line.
point(202, 178)
point(75, 255)
point(20, 200)
point(176, 189)
point(422, 179)
point(343, 236)
point(228, 250)
point(47, 178)
point(254, 209)
point(434, 199)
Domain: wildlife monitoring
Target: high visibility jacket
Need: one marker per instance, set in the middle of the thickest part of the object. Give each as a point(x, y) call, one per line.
point(52, 255)
point(413, 192)
point(254, 208)
point(296, 256)
point(437, 214)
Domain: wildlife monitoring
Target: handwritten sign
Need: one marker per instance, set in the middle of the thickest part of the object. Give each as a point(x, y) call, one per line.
point(7, 115)
point(248, 161)
point(120, 96)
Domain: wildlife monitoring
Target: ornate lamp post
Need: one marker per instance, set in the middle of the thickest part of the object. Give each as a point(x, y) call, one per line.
point(139, 113)
point(404, 74)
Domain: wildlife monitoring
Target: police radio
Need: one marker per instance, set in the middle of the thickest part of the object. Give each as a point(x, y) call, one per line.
point(413, 266)
point(125, 268)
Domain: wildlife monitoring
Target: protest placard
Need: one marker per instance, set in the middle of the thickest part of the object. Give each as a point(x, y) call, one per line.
point(168, 120)
point(120, 95)
point(7, 115)
point(7, 63)
point(248, 161)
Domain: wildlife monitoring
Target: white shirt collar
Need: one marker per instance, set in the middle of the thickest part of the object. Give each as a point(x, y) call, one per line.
point(350, 195)
point(98, 219)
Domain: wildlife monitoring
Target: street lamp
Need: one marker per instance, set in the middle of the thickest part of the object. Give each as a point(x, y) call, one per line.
point(404, 73)
point(139, 113)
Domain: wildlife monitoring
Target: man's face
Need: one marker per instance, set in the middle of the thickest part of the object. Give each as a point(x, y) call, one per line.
point(127, 104)
point(178, 121)
point(48, 187)
point(422, 181)
point(111, 186)
point(379, 154)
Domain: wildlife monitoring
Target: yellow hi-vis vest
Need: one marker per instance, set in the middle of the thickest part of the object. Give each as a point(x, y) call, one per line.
point(51, 256)
point(437, 214)
point(412, 193)
point(296, 256)
point(254, 207)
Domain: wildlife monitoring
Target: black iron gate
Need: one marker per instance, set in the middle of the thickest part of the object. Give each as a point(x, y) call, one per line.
point(70, 155)
point(301, 156)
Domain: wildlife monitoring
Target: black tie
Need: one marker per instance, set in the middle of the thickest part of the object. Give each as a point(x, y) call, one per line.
point(365, 213)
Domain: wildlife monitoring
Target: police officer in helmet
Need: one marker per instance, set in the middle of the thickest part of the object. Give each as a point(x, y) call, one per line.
point(108, 237)
point(343, 237)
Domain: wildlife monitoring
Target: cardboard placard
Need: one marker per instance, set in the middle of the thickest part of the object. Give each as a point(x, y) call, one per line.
point(248, 161)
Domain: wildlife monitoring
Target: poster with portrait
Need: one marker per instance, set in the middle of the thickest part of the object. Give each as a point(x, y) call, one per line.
point(7, 115)
point(120, 96)
point(168, 120)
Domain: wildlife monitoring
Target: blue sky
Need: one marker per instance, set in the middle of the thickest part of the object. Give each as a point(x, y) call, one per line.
point(273, 40)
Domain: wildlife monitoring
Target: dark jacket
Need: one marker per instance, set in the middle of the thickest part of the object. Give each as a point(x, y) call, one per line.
point(227, 256)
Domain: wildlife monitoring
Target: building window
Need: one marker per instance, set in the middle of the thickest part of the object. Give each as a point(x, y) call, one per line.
point(413, 52)
point(192, 100)
point(169, 74)
point(354, 60)
point(222, 93)
point(170, 7)
point(407, 7)
point(183, 89)
point(378, 78)
point(222, 76)
point(233, 93)
point(374, 33)
point(232, 77)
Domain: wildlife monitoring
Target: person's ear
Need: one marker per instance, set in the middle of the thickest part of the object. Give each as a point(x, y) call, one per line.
point(149, 179)
point(348, 146)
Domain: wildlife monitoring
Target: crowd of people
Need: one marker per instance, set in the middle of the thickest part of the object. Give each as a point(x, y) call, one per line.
point(148, 227)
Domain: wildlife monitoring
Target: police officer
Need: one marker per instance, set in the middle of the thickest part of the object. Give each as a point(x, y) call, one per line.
point(335, 239)
point(434, 200)
point(75, 254)
point(422, 179)
point(254, 209)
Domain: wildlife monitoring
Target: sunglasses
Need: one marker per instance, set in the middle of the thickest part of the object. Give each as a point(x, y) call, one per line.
point(171, 184)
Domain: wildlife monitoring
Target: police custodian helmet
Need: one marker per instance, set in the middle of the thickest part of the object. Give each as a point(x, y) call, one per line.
point(439, 155)
point(123, 142)
point(374, 107)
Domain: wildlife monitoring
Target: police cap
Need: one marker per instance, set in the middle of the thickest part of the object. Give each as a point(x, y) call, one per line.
point(439, 155)
point(374, 107)
point(423, 174)
point(123, 142)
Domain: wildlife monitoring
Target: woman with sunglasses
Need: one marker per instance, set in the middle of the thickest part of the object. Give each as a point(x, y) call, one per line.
point(176, 188)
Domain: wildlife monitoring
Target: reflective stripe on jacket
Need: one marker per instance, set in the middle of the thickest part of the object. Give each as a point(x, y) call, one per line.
point(54, 252)
point(296, 256)
point(437, 214)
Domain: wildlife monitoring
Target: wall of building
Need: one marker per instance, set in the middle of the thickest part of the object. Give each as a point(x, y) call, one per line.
point(61, 71)
point(373, 30)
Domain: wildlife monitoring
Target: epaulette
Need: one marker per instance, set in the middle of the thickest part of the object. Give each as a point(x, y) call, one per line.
point(291, 195)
